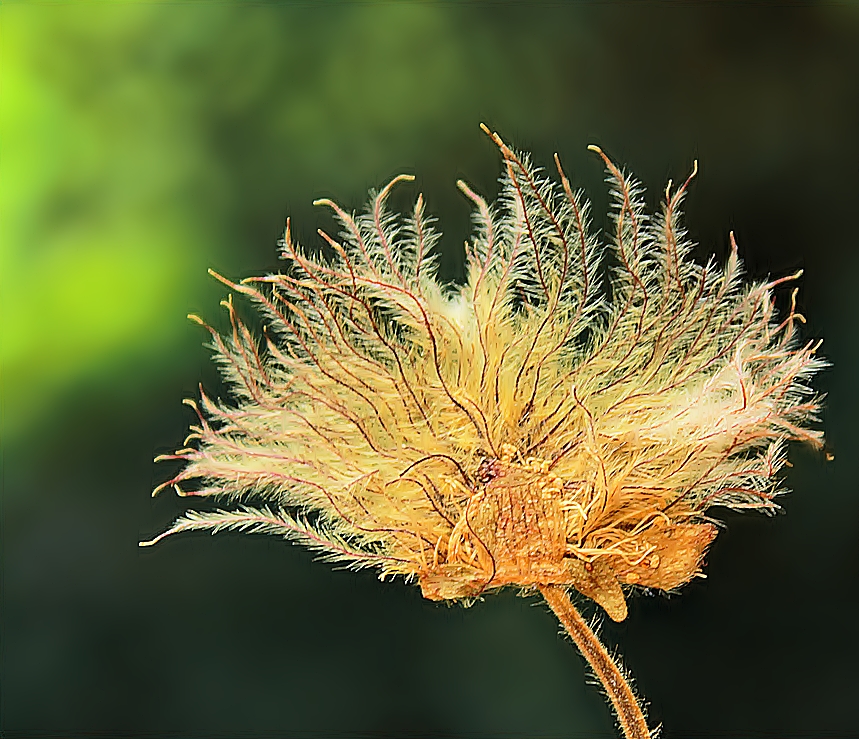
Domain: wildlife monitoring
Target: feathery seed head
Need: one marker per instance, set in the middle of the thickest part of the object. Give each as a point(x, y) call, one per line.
point(527, 428)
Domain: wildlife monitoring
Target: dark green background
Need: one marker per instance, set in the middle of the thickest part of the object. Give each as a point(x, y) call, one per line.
point(143, 143)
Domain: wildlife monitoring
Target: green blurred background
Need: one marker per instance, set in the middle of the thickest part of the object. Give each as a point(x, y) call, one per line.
point(142, 143)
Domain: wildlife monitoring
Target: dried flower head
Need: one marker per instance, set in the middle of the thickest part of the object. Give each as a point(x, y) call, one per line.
point(527, 428)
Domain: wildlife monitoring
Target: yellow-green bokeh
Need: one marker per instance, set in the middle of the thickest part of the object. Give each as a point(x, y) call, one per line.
point(96, 237)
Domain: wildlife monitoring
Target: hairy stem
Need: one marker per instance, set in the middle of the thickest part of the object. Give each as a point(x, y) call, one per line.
point(629, 712)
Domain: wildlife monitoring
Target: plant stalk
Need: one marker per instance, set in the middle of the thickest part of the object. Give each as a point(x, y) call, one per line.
point(626, 706)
